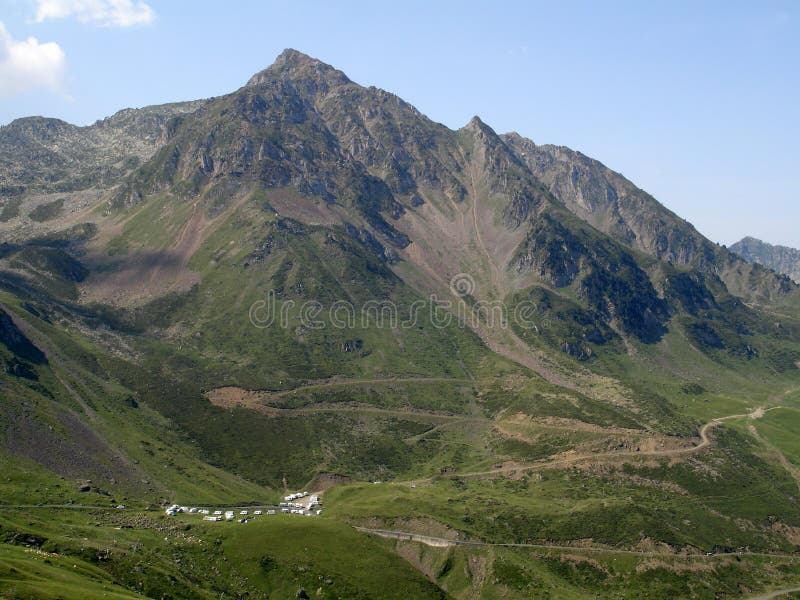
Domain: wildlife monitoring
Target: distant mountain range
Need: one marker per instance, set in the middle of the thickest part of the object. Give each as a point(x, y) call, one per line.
point(781, 259)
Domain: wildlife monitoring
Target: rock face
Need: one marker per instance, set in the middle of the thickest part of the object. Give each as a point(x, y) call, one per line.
point(43, 154)
point(305, 125)
point(426, 201)
point(615, 206)
point(778, 258)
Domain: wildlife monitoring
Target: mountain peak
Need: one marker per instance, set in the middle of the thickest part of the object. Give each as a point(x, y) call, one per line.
point(295, 65)
point(751, 240)
point(475, 124)
point(482, 133)
point(293, 58)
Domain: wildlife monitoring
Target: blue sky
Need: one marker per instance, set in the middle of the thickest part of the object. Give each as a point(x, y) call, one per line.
point(698, 103)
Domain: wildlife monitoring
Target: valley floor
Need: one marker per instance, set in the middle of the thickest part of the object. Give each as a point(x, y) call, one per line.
point(422, 530)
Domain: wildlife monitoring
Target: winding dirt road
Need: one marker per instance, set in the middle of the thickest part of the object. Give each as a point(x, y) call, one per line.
point(231, 397)
point(566, 461)
point(356, 382)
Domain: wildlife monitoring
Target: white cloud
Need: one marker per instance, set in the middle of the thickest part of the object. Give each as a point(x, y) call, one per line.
point(27, 65)
point(106, 13)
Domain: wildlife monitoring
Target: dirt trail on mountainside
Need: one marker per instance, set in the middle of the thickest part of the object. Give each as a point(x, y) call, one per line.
point(231, 397)
point(231, 394)
point(570, 458)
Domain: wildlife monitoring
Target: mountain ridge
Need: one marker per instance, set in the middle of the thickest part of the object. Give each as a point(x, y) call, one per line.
point(47, 149)
point(598, 195)
point(431, 201)
point(781, 259)
point(614, 205)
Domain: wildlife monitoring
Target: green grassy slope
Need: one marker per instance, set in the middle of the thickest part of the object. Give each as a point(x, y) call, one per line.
point(72, 417)
point(130, 554)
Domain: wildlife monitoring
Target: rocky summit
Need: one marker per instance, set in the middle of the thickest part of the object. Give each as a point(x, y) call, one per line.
point(302, 339)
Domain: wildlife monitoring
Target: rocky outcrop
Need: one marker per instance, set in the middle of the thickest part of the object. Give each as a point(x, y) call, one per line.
point(40, 154)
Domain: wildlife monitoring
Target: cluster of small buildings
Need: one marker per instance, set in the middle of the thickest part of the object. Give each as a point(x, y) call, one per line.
point(295, 496)
point(229, 515)
point(217, 515)
point(289, 506)
point(175, 509)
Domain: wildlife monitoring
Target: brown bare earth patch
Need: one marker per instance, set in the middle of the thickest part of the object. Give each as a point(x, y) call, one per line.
point(414, 554)
point(325, 481)
point(578, 559)
point(290, 203)
point(792, 534)
point(420, 525)
point(681, 567)
point(151, 273)
point(478, 566)
point(230, 397)
point(602, 440)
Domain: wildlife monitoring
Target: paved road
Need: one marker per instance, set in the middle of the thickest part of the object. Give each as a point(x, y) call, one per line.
point(443, 542)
